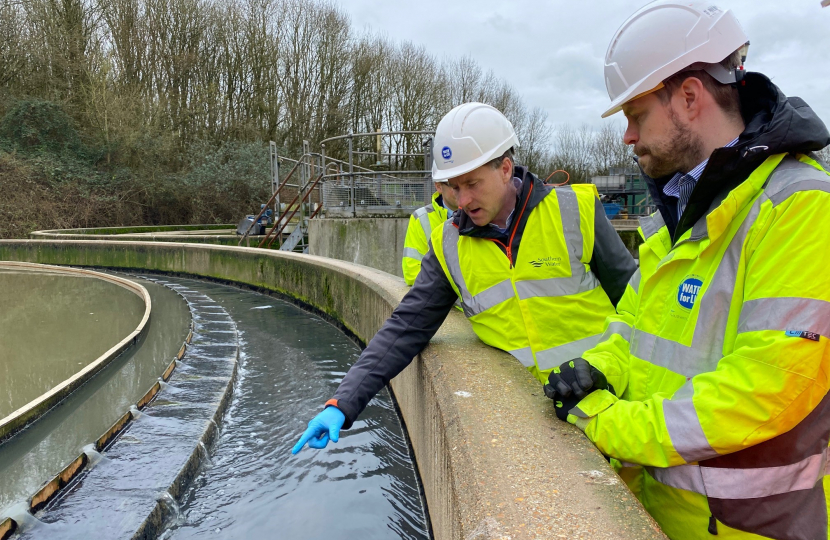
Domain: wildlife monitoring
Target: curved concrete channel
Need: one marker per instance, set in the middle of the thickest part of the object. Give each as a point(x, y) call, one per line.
point(493, 459)
point(154, 452)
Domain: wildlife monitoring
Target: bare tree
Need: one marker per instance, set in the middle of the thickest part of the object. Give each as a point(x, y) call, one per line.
point(610, 150)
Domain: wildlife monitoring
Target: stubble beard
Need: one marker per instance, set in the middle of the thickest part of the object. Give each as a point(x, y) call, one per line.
point(681, 151)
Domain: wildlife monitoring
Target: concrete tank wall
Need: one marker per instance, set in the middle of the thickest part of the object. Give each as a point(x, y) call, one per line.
point(494, 460)
point(375, 242)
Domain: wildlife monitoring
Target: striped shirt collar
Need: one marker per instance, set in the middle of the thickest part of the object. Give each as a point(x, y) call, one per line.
point(682, 184)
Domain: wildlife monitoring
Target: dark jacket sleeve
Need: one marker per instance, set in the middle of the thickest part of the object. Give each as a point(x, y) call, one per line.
point(611, 262)
point(403, 335)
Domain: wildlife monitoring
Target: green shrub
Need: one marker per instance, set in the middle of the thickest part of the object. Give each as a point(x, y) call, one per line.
point(36, 125)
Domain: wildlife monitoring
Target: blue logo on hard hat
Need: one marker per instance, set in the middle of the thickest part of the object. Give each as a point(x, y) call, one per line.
point(688, 291)
point(446, 153)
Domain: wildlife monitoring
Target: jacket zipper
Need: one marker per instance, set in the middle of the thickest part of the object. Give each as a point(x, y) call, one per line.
point(506, 248)
point(509, 245)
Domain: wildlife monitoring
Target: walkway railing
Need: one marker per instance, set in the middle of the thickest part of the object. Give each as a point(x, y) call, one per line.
point(393, 183)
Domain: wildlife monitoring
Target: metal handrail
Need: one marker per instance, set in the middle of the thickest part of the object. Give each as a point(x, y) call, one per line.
point(346, 174)
point(375, 134)
point(264, 208)
point(342, 162)
point(288, 218)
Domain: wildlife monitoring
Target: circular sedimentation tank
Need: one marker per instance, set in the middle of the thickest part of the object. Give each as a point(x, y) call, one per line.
point(480, 428)
point(58, 328)
point(180, 466)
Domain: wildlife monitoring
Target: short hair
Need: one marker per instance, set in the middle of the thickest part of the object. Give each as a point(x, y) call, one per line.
point(725, 95)
point(496, 163)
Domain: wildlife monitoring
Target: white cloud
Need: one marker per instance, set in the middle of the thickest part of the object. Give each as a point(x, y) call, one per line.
point(552, 50)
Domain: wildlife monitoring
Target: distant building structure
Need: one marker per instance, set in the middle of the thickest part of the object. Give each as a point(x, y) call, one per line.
point(623, 193)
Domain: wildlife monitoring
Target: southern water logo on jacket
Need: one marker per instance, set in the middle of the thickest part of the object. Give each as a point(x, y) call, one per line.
point(546, 261)
point(688, 291)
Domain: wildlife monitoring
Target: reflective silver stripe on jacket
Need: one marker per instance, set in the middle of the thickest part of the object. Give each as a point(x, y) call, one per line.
point(569, 212)
point(616, 328)
point(580, 281)
point(724, 483)
point(489, 298)
point(652, 224)
point(525, 356)
point(412, 253)
point(635, 281)
point(792, 176)
point(685, 430)
point(422, 215)
point(453, 264)
point(785, 313)
point(550, 358)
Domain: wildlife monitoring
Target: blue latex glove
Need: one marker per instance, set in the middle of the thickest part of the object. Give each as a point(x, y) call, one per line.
point(321, 428)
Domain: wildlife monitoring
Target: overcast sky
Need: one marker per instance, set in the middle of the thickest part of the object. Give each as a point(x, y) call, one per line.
point(553, 50)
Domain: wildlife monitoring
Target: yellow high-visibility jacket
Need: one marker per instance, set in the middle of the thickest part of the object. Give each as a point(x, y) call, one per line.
point(547, 308)
point(719, 354)
point(415, 245)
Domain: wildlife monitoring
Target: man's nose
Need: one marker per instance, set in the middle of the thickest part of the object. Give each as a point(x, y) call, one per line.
point(463, 198)
point(631, 135)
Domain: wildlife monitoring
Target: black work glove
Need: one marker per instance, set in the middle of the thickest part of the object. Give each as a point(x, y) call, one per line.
point(571, 382)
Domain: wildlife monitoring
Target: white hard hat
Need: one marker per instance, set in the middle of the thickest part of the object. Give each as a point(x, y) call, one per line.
point(469, 136)
point(664, 38)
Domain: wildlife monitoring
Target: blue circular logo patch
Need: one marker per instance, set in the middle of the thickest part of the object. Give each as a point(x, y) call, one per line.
point(446, 153)
point(688, 291)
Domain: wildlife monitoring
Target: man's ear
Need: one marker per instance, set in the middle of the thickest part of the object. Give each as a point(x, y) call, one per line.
point(691, 94)
point(507, 169)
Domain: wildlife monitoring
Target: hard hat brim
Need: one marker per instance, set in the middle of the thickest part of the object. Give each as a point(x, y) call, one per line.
point(617, 104)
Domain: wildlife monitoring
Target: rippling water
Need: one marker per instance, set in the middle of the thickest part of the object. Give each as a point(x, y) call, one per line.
point(252, 487)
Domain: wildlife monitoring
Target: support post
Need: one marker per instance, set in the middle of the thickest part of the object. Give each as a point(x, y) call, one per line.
point(379, 148)
point(323, 197)
point(428, 167)
point(275, 176)
point(307, 173)
point(351, 175)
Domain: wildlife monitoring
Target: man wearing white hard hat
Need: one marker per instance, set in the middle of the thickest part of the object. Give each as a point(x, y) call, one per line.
point(720, 353)
point(537, 269)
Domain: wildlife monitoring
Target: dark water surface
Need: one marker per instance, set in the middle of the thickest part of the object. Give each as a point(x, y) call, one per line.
point(362, 487)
